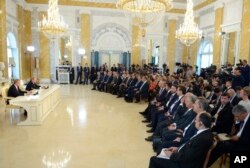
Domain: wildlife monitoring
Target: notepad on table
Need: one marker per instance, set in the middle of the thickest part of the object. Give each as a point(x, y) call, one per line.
point(163, 155)
point(223, 137)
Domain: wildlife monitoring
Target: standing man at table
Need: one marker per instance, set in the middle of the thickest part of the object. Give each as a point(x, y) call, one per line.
point(32, 84)
point(79, 74)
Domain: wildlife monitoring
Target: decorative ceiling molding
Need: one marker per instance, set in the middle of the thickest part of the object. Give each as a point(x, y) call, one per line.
point(111, 28)
point(178, 6)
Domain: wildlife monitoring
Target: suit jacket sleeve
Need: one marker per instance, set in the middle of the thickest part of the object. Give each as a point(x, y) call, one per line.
point(194, 148)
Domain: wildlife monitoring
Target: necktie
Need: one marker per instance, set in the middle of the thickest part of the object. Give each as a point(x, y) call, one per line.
point(240, 129)
point(186, 128)
point(241, 124)
point(217, 113)
point(171, 97)
point(160, 91)
point(142, 85)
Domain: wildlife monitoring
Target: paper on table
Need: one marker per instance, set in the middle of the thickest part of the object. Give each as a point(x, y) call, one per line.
point(223, 137)
point(163, 155)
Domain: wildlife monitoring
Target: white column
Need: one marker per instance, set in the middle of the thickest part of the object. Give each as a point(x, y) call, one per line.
point(54, 58)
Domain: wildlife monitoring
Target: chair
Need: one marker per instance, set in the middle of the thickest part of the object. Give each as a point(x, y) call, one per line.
point(215, 141)
point(5, 90)
point(224, 159)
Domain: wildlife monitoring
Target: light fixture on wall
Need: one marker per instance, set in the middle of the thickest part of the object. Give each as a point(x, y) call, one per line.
point(222, 33)
point(145, 12)
point(189, 31)
point(81, 51)
point(53, 26)
point(30, 48)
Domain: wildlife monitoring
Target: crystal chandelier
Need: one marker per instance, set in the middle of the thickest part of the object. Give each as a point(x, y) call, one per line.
point(145, 12)
point(53, 26)
point(189, 31)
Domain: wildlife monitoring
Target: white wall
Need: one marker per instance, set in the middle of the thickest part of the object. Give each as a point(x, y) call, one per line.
point(232, 15)
point(99, 20)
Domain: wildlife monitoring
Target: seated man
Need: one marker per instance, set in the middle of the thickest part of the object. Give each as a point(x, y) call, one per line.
point(192, 153)
point(15, 91)
point(32, 84)
point(239, 141)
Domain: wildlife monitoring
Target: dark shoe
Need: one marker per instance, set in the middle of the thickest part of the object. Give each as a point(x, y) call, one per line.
point(150, 138)
point(142, 113)
point(137, 101)
point(93, 89)
point(150, 131)
point(149, 125)
point(145, 121)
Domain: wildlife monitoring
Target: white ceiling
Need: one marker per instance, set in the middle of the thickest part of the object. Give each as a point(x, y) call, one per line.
point(114, 1)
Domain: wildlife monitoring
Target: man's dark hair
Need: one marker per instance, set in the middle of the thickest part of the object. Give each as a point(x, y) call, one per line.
point(225, 94)
point(206, 119)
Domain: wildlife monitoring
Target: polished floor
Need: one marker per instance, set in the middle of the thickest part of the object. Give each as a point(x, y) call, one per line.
point(88, 129)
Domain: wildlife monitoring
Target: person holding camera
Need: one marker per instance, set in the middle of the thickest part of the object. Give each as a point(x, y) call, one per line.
point(238, 79)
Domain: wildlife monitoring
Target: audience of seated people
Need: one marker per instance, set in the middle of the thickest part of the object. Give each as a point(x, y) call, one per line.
point(184, 109)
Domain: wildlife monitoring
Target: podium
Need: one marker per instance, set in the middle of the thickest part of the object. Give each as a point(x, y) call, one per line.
point(63, 74)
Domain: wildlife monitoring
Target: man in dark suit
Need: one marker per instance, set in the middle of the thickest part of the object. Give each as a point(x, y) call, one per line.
point(79, 74)
point(238, 79)
point(86, 71)
point(239, 142)
point(143, 90)
point(93, 74)
point(113, 68)
point(234, 99)
point(222, 114)
point(191, 154)
point(32, 84)
point(166, 93)
point(14, 90)
point(72, 75)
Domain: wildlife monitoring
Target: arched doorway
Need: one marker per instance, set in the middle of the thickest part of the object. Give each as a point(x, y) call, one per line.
point(13, 58)
point(205, 55)
point(110, 43)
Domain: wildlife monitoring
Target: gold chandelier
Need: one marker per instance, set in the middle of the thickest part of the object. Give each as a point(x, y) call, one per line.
point(145, 12)
point(53, 26)
point(189, 31)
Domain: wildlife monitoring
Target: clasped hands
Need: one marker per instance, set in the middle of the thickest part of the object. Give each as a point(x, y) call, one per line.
point(169, 151)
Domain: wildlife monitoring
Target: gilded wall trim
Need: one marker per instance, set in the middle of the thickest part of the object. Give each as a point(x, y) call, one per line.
point(245, 33)
point(171, 45)
point(136, 50)
point(3, 37)
point(44, 58)
point(85, 37)
point(217, 38)
point(24, 39)
point(203, 4)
